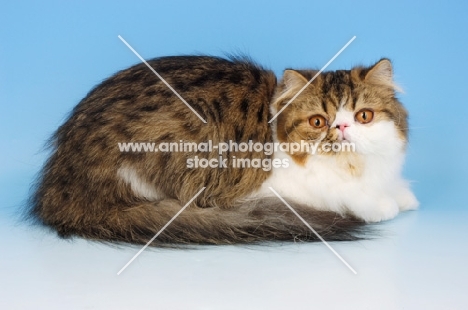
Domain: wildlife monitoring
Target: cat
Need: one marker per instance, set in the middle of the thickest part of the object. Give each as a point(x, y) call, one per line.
point(90, 188)
point(358, 106)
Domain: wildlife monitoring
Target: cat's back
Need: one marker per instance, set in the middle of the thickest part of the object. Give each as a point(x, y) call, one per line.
point(223, 92)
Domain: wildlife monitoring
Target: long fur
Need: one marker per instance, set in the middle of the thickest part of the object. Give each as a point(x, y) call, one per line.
point(255, 221)
point(89, 188)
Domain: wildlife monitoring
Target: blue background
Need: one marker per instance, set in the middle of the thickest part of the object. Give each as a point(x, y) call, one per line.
point(53, 52)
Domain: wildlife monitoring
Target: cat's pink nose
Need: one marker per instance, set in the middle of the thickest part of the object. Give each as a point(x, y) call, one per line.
point(342, 127)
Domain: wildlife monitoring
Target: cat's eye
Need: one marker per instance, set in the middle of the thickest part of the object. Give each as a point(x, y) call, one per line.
point(317, 121)
point(364, 116)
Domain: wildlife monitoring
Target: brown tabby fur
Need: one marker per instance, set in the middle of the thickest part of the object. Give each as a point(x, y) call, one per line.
point(79, 192)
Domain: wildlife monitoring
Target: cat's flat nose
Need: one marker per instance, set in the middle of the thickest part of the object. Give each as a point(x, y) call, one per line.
point(342, 127)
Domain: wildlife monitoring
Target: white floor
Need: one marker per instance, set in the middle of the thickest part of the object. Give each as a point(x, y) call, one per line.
point(417, 263)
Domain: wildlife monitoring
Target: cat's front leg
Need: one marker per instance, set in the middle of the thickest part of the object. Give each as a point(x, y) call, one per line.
point(373, 208)
point(406, 199)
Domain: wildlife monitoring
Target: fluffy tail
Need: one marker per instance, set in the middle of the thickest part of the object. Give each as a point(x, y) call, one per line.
point(260, 221)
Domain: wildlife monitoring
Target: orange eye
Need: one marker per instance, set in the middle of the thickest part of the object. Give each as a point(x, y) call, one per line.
point(364, 116)
point(317, 121)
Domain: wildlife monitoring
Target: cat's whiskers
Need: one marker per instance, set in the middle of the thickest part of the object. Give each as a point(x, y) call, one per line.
point(290, 139)
point(421, 127)
point(298, 133)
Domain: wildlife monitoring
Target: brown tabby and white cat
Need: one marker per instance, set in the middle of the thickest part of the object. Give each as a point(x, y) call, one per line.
point(89, 188)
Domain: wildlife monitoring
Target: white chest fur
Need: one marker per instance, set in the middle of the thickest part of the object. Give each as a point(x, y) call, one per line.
point(376, 192)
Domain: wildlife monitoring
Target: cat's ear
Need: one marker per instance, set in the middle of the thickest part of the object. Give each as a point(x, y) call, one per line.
point(291, 83)
point(293, 79)
point(382, 74)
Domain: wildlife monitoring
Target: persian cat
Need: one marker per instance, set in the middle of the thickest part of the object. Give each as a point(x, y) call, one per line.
point(99, 183)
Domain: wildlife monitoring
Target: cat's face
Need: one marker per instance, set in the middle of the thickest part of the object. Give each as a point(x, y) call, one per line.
point(357, 106)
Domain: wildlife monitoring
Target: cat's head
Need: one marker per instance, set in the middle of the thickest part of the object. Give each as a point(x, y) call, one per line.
point(357, 105)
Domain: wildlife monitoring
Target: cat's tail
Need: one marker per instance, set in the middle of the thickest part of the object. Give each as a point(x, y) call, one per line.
point(255, 221)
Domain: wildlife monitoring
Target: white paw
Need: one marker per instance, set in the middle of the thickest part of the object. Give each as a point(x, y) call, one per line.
point(383, 209)
point(406, 200)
